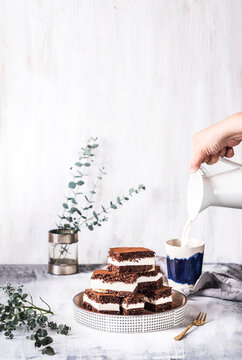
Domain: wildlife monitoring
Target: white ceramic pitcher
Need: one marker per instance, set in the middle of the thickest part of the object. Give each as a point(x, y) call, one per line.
point(221, 189)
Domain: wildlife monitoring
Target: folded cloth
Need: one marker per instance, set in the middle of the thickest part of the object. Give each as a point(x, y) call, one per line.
point(223, 281)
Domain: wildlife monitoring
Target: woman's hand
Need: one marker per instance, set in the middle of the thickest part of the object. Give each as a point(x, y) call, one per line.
point(217, 140)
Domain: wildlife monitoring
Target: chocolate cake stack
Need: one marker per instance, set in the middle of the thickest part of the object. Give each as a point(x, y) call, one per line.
point(130, 285)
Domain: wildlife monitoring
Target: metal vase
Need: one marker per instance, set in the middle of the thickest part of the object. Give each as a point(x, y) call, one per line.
point(63, 252)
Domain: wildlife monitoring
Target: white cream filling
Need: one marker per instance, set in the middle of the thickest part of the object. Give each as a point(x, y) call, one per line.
point(97, 284)
point(133, 306)
point(149, 278)
point(98, 306)
point(159, 301)
point(143, 261)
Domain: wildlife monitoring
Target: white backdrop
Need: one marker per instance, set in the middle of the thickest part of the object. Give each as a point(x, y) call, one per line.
point(143, 76)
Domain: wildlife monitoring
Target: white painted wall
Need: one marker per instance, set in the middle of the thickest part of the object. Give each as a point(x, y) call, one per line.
point(143, 76)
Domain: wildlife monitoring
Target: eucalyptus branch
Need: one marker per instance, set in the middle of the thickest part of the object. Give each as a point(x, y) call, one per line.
point(40, 309)
point(113, 205)
point(76, 216)
point(46, 304)
point(16, 313)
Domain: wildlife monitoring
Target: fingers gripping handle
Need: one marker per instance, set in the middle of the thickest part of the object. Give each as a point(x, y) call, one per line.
point(229, 162)
point(223, 160)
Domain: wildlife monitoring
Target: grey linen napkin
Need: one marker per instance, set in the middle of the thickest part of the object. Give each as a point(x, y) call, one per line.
point(223, 281)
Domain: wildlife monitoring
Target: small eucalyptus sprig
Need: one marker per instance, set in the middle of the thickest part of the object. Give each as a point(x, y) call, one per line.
point(72, 215)
point(98, 217)
point(20, 311)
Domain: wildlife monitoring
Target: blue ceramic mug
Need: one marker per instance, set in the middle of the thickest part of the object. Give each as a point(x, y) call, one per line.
point(184, 264)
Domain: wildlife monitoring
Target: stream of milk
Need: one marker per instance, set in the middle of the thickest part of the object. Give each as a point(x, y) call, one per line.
point(185, 232)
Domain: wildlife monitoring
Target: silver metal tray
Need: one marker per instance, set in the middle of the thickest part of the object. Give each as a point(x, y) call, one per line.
point(132, 323)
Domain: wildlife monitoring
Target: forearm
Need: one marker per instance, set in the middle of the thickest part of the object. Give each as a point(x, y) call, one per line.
point(231, 127)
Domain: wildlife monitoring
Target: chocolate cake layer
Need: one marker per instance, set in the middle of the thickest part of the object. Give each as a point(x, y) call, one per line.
point(106, 281)
point(105, 303)
point(112, 277)
point(148, 287)
point(128, 269)
point(102, 298)
point(159, 299)
point(133, 299)
point(160, 292)
point(133, 304)
point(150, 280)
point(158, 308)
point(130, 253)
point(134, 311)
point(156, 270)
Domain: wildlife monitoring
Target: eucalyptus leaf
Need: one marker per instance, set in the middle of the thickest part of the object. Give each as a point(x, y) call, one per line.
point(80, 183)
point(72, 185)
point(119, 201)
point(73, 210)
point(37, 343)
point(104, 210)
point(113, 206)
point(93, 146)
point(73, 200)
point(87, 199)
point(48, 350)
point(46, 340)
point(95, 215)
point(41, 332)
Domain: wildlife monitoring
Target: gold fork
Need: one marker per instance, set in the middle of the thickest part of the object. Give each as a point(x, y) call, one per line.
point(199, 321)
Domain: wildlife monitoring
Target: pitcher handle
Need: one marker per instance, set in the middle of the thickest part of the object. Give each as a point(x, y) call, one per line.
point(229, 162)
point(204, 170)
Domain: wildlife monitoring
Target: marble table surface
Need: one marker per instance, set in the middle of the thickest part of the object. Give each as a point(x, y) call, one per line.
point(220, 338)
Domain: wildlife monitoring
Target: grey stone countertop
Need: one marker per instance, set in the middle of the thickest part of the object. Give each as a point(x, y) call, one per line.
point(220, 338)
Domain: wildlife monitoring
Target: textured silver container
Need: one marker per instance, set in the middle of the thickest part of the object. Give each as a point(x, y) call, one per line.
point(63, 252)
point(132, 323)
